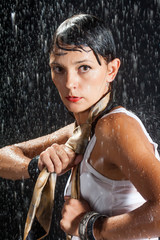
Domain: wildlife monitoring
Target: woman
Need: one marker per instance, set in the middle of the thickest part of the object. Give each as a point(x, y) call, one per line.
point(119, 173)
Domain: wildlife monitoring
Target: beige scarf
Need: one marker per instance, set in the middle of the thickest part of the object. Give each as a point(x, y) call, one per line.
point(42, 201)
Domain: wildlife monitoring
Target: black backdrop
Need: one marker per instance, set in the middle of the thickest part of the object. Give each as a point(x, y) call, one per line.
point(29, 104)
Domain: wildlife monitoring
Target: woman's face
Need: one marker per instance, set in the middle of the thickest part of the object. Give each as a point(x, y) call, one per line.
point(79, 78)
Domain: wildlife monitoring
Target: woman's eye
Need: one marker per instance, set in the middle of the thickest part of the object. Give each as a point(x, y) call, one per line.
point(57, 69)
point(84, 68)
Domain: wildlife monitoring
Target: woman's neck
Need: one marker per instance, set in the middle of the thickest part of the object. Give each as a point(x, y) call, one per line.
point(81, 117)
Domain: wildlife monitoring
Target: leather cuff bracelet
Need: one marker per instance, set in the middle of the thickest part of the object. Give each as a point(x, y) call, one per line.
point(90, 225)
point(33, 168)
point(83, 224)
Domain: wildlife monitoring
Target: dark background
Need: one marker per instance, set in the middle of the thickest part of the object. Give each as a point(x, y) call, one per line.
point(29, 103)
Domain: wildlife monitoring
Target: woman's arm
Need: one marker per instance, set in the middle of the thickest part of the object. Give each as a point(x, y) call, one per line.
point(128, 148)
point(125, 145)
point(14, 159)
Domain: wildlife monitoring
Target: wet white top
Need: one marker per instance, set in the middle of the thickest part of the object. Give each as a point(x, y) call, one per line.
point(106, 196)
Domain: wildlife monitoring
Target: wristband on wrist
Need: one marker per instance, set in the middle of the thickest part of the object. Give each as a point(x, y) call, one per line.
point(33, 169)
point(83, 224)
point(90, 225)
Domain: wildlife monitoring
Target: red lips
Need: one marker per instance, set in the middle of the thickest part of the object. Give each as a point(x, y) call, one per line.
point(73, 98)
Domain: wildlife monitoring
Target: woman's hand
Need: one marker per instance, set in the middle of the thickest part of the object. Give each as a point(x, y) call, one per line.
point(72, 212)
point(58, 158)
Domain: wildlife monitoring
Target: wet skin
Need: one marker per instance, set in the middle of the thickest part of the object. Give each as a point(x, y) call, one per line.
point(80, 80)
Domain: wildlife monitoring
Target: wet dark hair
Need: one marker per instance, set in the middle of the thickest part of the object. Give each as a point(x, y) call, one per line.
point(85, 30)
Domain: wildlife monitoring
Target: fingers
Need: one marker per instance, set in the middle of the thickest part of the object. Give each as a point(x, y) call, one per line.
point(45, 161)
point(69, 151)
point(56, 158)
point(70, 217)
point(75, 205)
point(72, 212)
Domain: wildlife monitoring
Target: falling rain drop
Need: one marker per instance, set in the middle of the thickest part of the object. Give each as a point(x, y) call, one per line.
point(13, 16)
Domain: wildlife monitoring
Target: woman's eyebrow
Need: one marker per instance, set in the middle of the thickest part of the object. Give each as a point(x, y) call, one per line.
point(81, 61)
point(77, 62)
point(60, 54)
point(54, 63)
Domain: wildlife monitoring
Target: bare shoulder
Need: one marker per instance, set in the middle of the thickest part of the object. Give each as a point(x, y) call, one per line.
point(123, 135)
point(117, 123)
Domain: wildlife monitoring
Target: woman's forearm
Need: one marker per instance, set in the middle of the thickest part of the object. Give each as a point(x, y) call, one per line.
point(14, 159)
point(143, 222)
point(34, 147)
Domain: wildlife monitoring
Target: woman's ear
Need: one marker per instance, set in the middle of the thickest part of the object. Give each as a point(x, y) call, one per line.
point(113, 67)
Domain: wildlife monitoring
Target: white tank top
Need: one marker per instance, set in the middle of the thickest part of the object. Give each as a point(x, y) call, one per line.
point(106, 196)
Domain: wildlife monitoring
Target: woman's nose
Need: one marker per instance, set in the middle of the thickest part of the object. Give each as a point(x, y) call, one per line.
point(71, 80)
